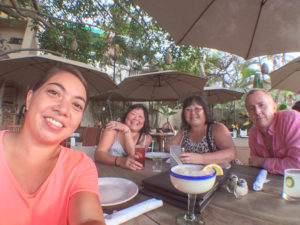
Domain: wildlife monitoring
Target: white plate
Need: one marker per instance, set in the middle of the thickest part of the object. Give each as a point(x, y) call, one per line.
point(116, 190)
point(162, 155)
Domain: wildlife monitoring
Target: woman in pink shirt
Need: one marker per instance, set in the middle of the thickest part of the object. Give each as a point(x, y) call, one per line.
point(41, 182)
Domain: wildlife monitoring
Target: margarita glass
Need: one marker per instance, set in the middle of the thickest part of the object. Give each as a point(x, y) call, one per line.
point(193, 180)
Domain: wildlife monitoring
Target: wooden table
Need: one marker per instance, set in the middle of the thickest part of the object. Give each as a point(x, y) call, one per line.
point(259, 208)
point(159, 138)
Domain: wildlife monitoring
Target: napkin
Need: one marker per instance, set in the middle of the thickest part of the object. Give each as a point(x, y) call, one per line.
point(132, 211)
point(260, 180)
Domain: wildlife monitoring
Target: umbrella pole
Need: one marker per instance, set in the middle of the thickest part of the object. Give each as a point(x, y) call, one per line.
point(108, 102)
point(234, 110)
point(2, 93)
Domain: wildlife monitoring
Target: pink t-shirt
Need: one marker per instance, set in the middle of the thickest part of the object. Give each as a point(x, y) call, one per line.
point(74, 172)
point(285, 130)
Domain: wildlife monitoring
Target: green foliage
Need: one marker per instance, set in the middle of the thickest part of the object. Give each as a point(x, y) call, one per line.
point(245, 122)
point(257, 82)
point(282, 106)
point(166, 110)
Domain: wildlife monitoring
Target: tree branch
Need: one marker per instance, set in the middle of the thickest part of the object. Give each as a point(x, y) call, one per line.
point(10, 12)
point(36, 5)
point(104, 9)
point(30, 49)
point(31, 14)
point(129, 14)
point(140, 14)
point(7, 9)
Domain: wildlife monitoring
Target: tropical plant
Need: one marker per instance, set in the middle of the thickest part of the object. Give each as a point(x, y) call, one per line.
point(282, 106)
point(166, 110)
point(245, 121)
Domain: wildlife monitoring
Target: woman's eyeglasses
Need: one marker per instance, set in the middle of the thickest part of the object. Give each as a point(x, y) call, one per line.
point(190, 110)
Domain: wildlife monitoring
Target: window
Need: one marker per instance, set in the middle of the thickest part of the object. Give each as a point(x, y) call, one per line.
point(16, 41)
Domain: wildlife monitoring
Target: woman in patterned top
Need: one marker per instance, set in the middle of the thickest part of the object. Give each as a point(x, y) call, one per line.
point(204, 141)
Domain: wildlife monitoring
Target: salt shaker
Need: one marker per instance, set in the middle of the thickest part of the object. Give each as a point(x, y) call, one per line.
point(241, 189)
point(231, 182)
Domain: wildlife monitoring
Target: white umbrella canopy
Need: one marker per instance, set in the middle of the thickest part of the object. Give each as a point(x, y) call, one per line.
point(287, 77)
point(25, 71)
point(247, 28)
point(221, 95)
point(160, 86)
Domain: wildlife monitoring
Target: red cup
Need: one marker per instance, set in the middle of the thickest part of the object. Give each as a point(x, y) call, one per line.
point(140, 154)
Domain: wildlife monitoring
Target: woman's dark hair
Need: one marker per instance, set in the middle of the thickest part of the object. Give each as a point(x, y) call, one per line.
point(59, 68)
point(296, 106)
point(198, 99)
point(146, 128)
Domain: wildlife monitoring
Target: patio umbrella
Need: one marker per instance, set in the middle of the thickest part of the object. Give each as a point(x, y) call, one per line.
point(113, 95)
point(247, 28)
point(221, 95)
point(25, 71)
point(159, 86)
point(287, 77)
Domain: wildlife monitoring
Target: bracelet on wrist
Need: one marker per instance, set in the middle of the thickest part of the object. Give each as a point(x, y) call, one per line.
point(127, 131)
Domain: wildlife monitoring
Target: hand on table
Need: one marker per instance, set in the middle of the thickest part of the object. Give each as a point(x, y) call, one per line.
point(129, 163)
point(190, 157)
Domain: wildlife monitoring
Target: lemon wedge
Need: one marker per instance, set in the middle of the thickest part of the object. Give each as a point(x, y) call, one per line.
point(218, 168)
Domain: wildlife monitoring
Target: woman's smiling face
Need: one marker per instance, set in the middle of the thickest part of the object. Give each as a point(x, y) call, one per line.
point(55, 109)
point(194, 115)
point(135, 119)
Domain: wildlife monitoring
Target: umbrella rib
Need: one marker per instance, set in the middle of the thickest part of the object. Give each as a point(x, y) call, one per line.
point(255, 28)
point(90, 83)
point(192, 84)
point(196, 21)
point(172, 88)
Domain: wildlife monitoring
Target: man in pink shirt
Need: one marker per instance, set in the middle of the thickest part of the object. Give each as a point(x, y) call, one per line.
point(274, 141)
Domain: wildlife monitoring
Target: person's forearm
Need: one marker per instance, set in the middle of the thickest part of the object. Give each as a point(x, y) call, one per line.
point(278, 165)
point(104, 157)
point(129, 144)
point(175, 140)
point(219, 157)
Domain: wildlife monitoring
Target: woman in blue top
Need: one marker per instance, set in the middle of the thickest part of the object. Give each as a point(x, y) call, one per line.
point(117, 143)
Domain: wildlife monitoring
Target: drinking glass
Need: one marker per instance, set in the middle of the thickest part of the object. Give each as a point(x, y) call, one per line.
point(191, 179)
point(157, 164)
point(174, 151)
point(140, 154)
point(291, 184)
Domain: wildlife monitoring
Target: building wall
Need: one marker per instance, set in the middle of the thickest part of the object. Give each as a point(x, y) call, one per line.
point(18, 30)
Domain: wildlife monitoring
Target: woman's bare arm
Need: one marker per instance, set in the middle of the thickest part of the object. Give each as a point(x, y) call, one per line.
point(175, 140)
point(85, 209)
point(107, 139)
